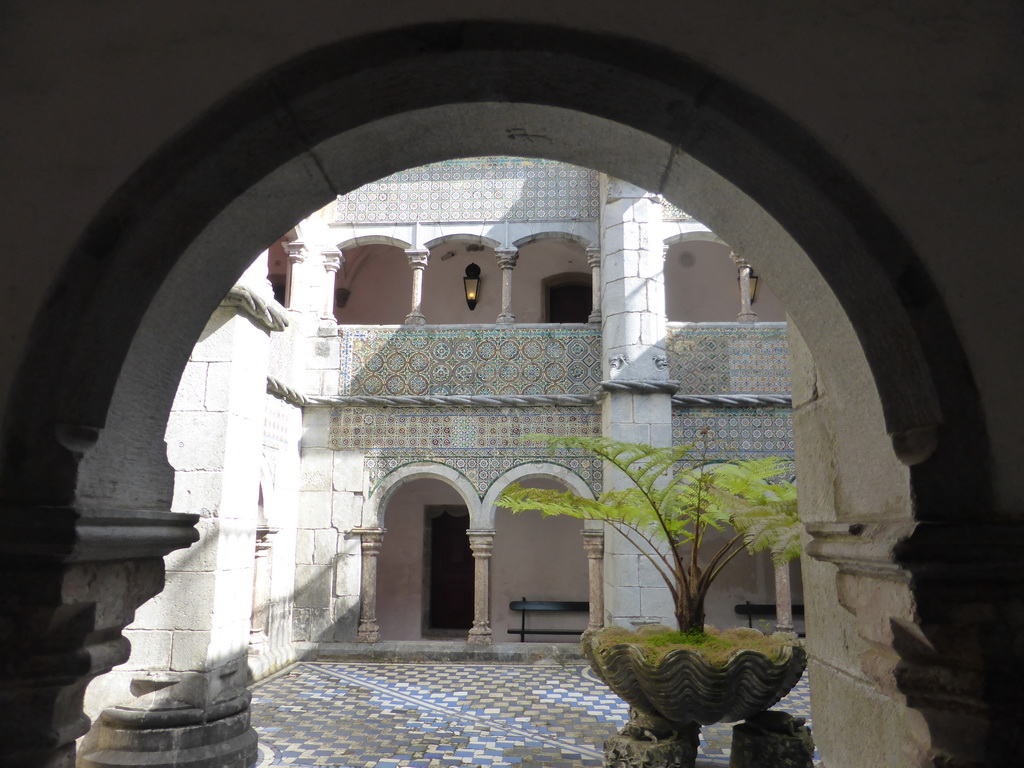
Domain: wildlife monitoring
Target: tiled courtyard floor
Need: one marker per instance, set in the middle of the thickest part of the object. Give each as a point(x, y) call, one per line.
point(429, 715)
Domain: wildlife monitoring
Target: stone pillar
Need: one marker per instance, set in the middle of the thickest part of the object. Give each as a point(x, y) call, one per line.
point(507, 261)
point(332, 263)
point(746, 314)
point(594, 260)
point(418, 262)
point(783, 600)
point(261, 590)
point(593, 543)
point(371, 539)
point(181, 698)
point(298, 285)
point(637, 401)
point(72, 578)
point(481, 542)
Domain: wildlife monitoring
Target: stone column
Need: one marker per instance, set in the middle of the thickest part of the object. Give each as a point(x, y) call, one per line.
point(507, 261)
point(298, 286)
point(181, 699)
point(481, 542)
point(594, 260)
point(261, 590)
point(418, 262)
point(783, 600)
point(593, 543)
point(371, 539)
point(746, 315)
point(637, 402)
point(332, 263)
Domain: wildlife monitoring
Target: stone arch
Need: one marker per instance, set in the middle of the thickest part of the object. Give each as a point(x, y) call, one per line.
point(696, 235)
point(358, 240)
point(539, 237)
point(534, 469)
point(84, 431)
point(487, 242)
point(376, 504)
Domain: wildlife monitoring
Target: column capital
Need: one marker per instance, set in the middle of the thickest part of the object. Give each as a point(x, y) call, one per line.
point(333, 259)
point(481, 542)
point(594, 258)
point(507, 257)
point(296, 251)
point(418, 258)
point(593, 542)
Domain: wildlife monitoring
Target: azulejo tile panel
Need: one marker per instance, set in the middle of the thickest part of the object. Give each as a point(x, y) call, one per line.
point(277, 419)
point(722, 361)
point(476, 189)
point(481, 444)
point(379, 361)
point(670, 212)
point(736, 432)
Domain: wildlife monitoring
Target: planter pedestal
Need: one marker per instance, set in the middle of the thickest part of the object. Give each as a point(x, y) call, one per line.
point(626, 752)
point(772, 740)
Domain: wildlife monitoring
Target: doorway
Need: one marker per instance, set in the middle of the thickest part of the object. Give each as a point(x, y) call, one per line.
point(450, 569)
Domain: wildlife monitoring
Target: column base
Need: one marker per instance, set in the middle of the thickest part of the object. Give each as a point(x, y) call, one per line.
point(505, 319)
point(229, 742)
point(368, 633)
point(480, 636)
point(415, 319)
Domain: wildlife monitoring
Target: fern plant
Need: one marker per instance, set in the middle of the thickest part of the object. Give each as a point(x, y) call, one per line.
point(674, 498)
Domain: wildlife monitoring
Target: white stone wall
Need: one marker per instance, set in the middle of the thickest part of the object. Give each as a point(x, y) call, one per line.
point(194, 635)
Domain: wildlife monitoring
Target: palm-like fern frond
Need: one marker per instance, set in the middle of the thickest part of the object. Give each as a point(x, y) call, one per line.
point(674, 496)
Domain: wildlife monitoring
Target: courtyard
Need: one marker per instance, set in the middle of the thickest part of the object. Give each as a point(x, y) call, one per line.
point(429, 715)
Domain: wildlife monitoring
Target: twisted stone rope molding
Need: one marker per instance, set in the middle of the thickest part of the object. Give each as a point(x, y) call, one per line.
point(269, 314)
point(733, 401)
point(282, 391)
point(516, 401)
point(640, 387)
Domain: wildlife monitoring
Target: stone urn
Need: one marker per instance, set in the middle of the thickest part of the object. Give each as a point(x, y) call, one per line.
point(670, 699)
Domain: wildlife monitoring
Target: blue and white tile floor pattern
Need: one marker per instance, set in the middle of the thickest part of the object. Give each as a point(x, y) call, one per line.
point(434, 715)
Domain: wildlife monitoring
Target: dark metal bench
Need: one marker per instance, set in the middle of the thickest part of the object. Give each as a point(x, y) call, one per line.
point(525, 606)
point(750, 610)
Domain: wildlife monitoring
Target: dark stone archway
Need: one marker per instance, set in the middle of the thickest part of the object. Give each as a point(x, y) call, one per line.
point(169, 244)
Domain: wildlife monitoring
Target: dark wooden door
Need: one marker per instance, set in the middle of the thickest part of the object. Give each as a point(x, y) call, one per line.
point(451, 572)
point(569, 303)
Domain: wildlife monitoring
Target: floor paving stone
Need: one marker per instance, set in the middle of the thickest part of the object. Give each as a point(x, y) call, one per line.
point(433, 715)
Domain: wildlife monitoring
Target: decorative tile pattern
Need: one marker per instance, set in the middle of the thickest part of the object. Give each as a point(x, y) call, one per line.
point(277, 420)
point(721, 361)
point(742, 432)
point(469, 361)
point(476, 189)
point(481, 444)
point(438, 715)
point(670, 212)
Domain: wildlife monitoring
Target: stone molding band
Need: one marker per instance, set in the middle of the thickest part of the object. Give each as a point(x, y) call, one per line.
point(282, 391)
point(513, 401)
point(733, 401)
point(640, 387)
point(266, 313)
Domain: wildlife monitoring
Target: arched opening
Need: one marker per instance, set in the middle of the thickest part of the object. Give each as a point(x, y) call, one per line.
point(884, 350)
point(425, 573)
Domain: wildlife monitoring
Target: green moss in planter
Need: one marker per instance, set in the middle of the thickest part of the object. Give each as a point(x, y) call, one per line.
point(717, 647)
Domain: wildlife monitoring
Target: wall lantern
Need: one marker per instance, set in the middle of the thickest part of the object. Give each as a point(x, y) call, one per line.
point(471, 282)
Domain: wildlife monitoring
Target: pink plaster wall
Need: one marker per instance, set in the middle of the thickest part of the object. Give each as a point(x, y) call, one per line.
point(539, 559)
point(707, 291)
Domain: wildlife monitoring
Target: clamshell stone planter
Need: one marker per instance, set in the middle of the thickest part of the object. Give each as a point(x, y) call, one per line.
point(683, 688)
